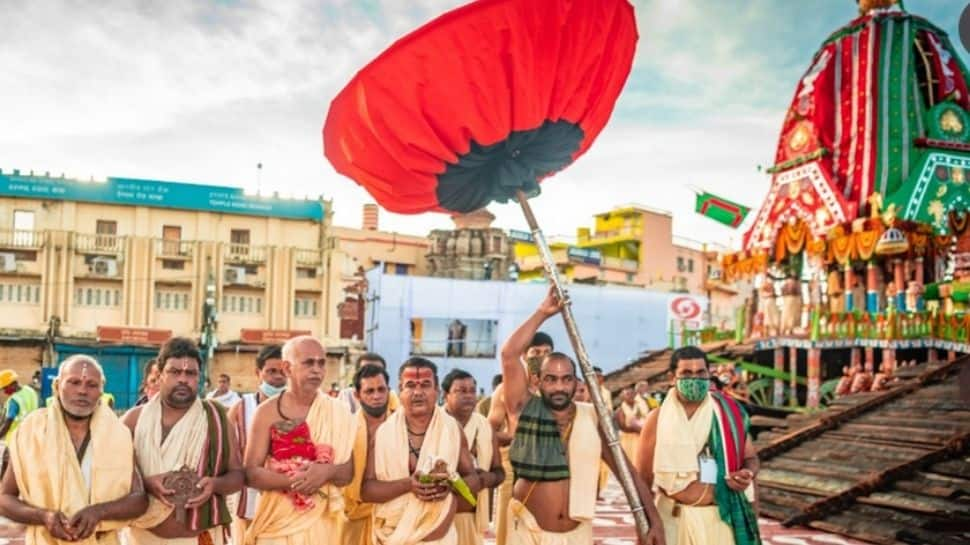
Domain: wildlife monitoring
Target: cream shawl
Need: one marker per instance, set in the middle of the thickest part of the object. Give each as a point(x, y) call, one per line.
point(182, 447)
point(679, 441)
point(406, 520)
point(331, 423)
point(478, 434)
point(585, 450)
point(49, 476)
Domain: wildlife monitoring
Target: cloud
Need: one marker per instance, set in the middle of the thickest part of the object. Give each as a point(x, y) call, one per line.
point(203, 91)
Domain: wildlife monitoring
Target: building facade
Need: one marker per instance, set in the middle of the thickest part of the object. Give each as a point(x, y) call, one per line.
point(128, 263)
point(635, 246)
point(473, 250)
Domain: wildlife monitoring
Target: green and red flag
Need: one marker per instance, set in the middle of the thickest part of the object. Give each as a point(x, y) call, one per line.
point(720, 209)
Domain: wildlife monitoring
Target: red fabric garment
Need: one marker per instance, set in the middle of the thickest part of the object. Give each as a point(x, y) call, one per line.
point(292, 452)
point(295, 443)
point(476, 74)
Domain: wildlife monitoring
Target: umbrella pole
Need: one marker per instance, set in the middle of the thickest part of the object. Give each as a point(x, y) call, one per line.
point(604, 413)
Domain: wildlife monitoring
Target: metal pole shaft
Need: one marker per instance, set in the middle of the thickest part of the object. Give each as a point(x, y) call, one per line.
point(602, 411)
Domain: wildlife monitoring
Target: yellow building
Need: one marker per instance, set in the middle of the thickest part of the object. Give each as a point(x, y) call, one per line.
point(122, 264)
point(634, 245)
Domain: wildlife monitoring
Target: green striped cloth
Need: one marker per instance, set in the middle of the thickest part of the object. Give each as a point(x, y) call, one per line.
point(537, 452)
point(735, 509)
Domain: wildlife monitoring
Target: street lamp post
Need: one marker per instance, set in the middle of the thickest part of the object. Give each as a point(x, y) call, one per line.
point(209, 319)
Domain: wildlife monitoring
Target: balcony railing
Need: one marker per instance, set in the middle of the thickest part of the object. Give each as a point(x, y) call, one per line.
point(624, 232)
point(244, 253)
point(173, 249)
point(98, 244)
point(308, 257)
point(630, 265)
point(10, 239)
point(532, 262)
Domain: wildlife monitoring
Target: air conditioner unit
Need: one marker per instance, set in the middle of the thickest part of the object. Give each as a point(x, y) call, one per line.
point(104, 266)
point(234, 275)
point(8, 262)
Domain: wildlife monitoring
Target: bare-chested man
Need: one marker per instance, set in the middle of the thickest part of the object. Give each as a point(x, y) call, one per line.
point(57, 450)
point(272, 381)
point(174, 430)
point(503, 422)
point(416, 438)
point(459, 388)
point(556, 449)
point(372, 393)
point(283, 422)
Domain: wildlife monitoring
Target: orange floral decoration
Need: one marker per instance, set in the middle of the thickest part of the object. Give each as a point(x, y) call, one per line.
point(865, 243)
point(815, 247)
point(841, 249)
point(791, 239)
point(918, 243)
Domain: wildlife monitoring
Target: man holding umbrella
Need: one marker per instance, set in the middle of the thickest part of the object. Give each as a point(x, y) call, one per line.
point(556, 449)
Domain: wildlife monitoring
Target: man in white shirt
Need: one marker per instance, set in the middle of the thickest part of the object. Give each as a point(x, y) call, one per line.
point(226, 397)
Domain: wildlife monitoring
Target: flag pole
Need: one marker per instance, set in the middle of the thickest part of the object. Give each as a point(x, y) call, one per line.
point(603, 412)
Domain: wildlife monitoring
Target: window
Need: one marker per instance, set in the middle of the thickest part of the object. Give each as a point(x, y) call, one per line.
point(167, 299)
point(306, 272)
point(23, 220)
point(96, 297)
point(239, 241)
point(107, 230)
point(242, 304)
point(23, 226)
point(171, 237)
point(690, 265)
point(20, 293)
point(305, 307)
point(680, 264)
point(496, 244)
point(400, 269)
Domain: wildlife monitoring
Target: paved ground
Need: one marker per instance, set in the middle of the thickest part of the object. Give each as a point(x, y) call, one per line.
point(613, 526)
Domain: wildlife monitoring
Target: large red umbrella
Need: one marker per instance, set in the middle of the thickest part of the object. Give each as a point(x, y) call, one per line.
point(483, 101)
point(480, 105)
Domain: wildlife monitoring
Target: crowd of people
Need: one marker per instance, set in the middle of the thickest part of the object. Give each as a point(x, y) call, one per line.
point(433, 463)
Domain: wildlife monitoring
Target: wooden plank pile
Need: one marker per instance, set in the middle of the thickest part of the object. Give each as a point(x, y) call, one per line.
point(889, 467)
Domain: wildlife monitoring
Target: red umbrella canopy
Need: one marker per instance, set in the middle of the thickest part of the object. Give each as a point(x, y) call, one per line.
point(484, 100)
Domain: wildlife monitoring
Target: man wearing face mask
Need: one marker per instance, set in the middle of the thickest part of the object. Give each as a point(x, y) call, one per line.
point(503, 422)
point(272, 381)
point(373, 396)
point(689, 453)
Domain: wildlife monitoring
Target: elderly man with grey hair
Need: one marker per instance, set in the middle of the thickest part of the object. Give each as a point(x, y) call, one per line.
point(72, 476)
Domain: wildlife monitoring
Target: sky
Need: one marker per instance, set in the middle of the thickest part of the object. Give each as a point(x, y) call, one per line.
point(203, 91)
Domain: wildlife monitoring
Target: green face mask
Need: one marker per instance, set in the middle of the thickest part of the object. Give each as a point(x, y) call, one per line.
point(693, 389)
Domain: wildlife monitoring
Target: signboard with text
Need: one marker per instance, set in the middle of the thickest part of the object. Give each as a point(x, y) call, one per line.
point(269, 336)
point(133, 335)
point(136, 192)
point(584, 255)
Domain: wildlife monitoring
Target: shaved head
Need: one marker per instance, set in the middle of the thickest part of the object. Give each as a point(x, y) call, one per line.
point(304, 363)
point(293, 346)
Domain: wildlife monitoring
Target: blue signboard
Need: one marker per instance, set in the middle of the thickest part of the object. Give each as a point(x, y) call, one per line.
point(584, 255)
point(522, 236)
point(132, 191)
